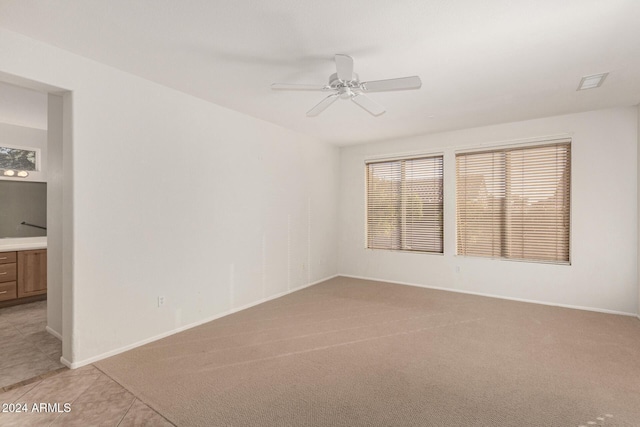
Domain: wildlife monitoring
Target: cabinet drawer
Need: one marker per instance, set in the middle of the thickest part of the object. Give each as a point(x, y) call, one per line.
point(7, 272)
point(8, 291)
point(7, 257)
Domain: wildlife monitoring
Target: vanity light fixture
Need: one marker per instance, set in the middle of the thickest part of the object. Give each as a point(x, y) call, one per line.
point(12, 173)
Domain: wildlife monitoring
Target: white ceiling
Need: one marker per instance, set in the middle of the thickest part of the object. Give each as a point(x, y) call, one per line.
point(481, 62)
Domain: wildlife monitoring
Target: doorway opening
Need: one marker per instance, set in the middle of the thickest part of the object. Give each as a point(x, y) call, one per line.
point(35, 307)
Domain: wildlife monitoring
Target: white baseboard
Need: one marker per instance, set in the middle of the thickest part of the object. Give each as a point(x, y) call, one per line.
point(575, 307)
point(68, 364)
point(54, 333)
point(75, 365)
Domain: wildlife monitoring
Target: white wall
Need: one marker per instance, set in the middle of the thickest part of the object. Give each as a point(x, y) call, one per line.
point(20, 136)
point(177, 197)
point(638, 107)
point(23, 107)
point(603, 270)
point(54, 213)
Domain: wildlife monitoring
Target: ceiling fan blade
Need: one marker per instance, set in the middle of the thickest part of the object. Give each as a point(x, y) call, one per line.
point(403, 83)
point(323, 105)
point(289, 86)
point(368, 104)
point(344, 65)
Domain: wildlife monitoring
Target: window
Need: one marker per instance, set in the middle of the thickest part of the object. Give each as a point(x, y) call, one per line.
point(404, 204)
point(18, 159)
point(514, 203)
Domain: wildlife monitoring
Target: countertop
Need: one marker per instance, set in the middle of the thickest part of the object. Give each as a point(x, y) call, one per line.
point(23, 244)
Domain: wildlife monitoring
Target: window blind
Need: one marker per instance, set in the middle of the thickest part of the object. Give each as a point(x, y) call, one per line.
point(404, 204)
point(515, 203)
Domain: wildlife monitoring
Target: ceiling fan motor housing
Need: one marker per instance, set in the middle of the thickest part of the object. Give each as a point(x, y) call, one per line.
point(346, 89)
point(335, 82)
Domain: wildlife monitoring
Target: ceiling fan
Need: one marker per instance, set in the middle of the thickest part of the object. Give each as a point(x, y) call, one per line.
point(345, 84)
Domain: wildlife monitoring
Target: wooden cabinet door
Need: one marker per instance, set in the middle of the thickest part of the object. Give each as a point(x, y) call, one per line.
point(32, 273)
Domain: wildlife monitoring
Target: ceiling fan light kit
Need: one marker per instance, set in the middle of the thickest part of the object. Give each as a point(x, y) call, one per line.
point(345, 84)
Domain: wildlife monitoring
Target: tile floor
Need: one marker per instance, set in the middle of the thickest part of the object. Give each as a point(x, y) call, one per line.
point(26, 348)
point(92, 397)
point(30, 373)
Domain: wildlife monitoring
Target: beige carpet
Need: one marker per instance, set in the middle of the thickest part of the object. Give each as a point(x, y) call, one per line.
point(350, 352)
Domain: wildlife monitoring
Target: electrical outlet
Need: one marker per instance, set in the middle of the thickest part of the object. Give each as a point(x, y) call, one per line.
point(457, 269)
point(160, 301)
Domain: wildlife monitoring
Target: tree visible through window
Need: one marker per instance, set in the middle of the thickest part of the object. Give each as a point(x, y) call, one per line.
point(515, 203)
point(404, 204)
point(18, 159)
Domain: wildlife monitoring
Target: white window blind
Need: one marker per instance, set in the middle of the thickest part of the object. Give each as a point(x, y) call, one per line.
point(515, 203)
point(404, 204)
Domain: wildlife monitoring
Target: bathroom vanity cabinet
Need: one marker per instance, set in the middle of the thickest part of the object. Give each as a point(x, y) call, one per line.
point(23, 275)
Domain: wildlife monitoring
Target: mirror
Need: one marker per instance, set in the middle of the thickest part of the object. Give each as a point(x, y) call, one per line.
point(23, 209)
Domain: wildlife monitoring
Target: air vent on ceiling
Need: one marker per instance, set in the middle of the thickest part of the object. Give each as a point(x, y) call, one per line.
point(592, 82)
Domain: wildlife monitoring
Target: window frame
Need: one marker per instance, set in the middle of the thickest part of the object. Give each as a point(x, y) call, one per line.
point(567, 141)
point(403, 223)
point(38, 156)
